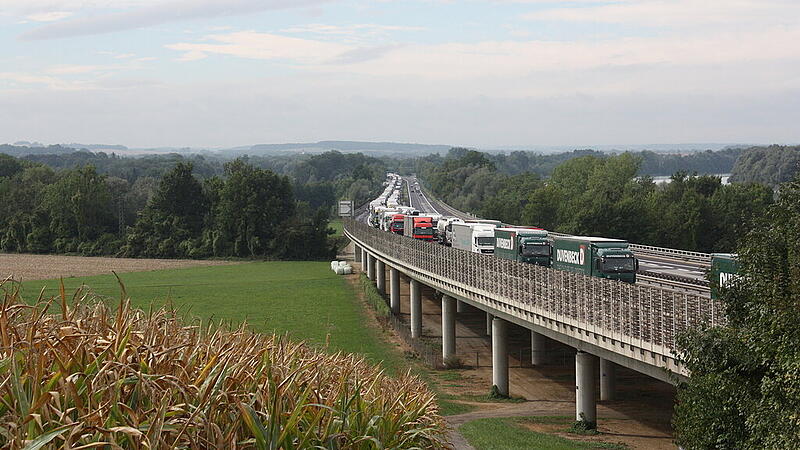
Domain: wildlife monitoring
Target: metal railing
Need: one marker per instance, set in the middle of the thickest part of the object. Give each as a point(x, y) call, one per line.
point(641, 317)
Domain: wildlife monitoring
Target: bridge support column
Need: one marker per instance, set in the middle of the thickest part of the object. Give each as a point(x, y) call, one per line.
point(608, 380)
point(538, 348)
point(500, 355)
point(460, 306)
point(370, 267)
point(364, 260)
point(380, 275)
point(448, 327)
point(585, 392)
point(416, 310)
point(356, 253)
point(489, 318)
point(394, 291)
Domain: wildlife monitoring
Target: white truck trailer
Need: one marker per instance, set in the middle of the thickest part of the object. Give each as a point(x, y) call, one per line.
point(473, 237)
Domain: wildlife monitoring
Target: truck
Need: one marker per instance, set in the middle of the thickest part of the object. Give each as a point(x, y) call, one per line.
point(449, 232)
point(473, 237)
point(386, 219)
point(419, 227)
point(724, 269)
point(445, 229)
point(398, 220)
point(527, 245)
point(595, 256)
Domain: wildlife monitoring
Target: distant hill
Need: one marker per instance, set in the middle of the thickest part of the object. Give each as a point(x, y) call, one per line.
point(22, 150)
point(98, 147)
point(370, 148)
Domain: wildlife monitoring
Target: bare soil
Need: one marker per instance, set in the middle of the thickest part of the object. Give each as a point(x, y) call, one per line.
point(23, 267)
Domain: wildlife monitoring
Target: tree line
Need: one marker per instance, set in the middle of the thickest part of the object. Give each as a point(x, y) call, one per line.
point(604, 196)
point(172, 209)
point(771, 165)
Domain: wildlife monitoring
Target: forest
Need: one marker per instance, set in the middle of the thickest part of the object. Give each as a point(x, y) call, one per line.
point(603, 196)
point(173, 206)
point(771, 165)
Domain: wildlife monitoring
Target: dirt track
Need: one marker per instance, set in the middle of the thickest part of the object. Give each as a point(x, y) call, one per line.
point(41, 267)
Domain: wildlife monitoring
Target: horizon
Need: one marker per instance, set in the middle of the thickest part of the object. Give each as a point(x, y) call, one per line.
point(482, 73)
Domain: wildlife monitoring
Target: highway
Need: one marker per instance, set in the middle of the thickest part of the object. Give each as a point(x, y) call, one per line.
point(664, 271)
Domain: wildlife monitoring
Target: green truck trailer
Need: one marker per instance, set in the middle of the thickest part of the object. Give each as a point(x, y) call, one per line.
point(595, 256)
point(527, 245)
point(724, 268)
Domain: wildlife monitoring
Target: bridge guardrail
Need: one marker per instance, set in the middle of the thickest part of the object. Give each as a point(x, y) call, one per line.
point(640, 317)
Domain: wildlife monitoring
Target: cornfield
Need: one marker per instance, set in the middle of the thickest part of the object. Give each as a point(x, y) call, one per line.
point(76, 373)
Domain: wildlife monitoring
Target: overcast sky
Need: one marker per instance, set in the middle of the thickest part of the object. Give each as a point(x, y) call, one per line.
point(488, 73)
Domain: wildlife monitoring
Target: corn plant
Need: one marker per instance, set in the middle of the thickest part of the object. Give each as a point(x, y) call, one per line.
point(77, 373)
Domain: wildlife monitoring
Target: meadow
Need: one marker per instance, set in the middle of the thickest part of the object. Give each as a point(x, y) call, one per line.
point(302, 299)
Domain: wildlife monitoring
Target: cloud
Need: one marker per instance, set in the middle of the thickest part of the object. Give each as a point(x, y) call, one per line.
point(500, 59)
point(253, 45)
point(678, 13)
point(48, 16)
point(159, 13)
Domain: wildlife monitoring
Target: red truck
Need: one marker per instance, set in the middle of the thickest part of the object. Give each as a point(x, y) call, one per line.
point(419, 227)
point(397, 223)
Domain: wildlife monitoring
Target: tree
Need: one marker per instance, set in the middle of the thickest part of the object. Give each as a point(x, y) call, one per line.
point(254, 207)
point(744, 389)
point(171, 225)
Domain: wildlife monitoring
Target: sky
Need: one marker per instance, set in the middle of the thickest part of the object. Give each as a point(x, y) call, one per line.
point(482, 73)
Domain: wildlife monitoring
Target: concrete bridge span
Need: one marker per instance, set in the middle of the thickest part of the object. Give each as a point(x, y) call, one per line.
point(608, 322)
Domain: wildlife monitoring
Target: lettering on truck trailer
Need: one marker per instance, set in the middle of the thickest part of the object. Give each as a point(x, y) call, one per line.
point(504, 243)
point(571, 256)
point(726, 278)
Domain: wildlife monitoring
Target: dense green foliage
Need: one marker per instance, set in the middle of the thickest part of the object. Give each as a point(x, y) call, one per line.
point(744, 392)
point(771, 165)
point(176, 206)
point(603, 196)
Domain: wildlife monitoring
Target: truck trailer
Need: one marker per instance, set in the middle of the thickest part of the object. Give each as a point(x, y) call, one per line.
point(419, 227)
point(595, 256)
point(398, 221)
point(473, 237)
point(724, 269)
point(526, 245)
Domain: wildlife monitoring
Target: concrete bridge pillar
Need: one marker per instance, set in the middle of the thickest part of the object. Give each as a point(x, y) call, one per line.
point(489, 318)
point(500, 355)
point(585, 391)
point(448, 327)
point(416, 310)
point(538, 348)
point(608, 380)
point(460, 306)
point(370, 267)
point(394, 291)
point(363, 260)
point(356, 253)
point(380, 269)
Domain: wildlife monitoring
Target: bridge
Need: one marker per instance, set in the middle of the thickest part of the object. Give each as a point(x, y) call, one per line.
point(607, 322)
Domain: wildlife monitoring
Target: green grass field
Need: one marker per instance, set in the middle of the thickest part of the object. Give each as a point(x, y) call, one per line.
point(304, 299)
point(507, 433)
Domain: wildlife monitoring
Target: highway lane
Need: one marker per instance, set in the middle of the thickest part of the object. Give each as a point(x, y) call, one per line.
point(660, 265)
